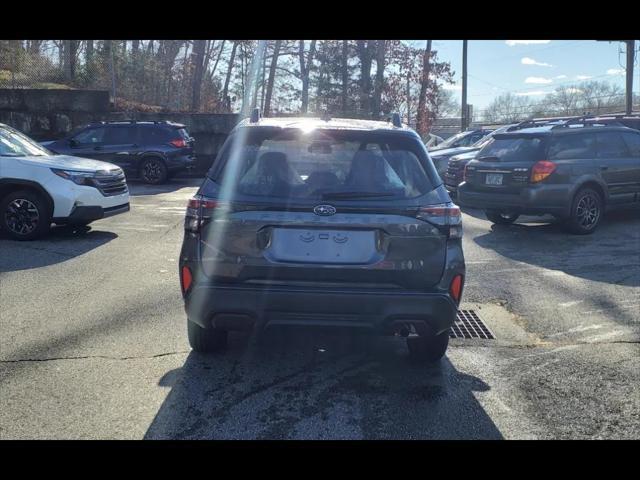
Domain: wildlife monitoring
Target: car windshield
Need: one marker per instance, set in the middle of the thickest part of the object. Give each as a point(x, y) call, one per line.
point(449, 142)
point(14, 144)
point(323, 164)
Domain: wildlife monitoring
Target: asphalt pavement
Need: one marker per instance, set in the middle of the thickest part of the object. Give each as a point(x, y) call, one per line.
point(93, 343)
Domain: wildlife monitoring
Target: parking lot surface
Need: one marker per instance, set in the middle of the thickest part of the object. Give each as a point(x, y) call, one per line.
point(94, 345)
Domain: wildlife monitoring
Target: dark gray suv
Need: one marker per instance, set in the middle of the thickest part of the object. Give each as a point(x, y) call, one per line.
point(328, 223)
point(573, 172)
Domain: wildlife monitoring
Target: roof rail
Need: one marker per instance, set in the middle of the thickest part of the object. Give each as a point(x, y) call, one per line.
point(255, 115)
point(396, 120)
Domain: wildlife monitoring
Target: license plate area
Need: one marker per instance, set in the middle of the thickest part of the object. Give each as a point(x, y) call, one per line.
point(326, 246)
point(493, 179)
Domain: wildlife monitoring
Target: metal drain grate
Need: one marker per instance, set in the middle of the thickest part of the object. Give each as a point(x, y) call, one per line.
point(469, 325)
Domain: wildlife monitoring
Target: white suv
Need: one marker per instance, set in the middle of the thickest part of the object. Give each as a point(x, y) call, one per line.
point(38, 188)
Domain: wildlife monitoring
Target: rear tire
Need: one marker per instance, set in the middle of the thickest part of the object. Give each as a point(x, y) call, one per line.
point(206, 340)
point(501, 218)
point(586, 212)
point(153, 171)
point(428, 348)
point(24, 215)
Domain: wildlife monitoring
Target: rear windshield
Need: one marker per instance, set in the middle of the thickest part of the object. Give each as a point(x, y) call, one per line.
point(503, 148)
point(322, 164)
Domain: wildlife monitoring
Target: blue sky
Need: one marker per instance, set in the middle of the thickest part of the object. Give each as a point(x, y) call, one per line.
point(532, 67)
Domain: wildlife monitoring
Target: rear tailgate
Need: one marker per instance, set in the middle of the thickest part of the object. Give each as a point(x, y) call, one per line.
point(349, 249)
point(504, 164)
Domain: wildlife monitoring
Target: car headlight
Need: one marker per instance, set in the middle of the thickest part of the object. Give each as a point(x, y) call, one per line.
point(79, 178)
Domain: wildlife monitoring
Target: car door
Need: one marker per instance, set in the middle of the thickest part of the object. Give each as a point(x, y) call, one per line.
point(120, 146)
point(86, 143)
point(617, 166)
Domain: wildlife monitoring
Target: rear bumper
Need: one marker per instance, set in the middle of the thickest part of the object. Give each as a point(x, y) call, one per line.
point(535, 200)
point(241, 307)
point(181, 162)
point(86, 214)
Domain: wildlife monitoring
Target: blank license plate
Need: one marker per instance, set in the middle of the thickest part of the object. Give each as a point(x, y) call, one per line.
point(493, 179)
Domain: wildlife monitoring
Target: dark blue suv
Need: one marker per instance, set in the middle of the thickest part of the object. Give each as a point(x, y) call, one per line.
point(150, 151)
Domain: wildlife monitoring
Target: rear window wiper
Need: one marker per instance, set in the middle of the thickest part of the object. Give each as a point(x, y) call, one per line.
point(355, 194)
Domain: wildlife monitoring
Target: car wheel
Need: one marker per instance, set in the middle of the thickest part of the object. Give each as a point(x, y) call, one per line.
point(501, 218)
point(428, 348)
point(153, 171)
point(24, 215)
point(206, 340)
point(586, 212)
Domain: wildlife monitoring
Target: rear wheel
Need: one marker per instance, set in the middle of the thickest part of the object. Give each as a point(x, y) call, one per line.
point(153, 171)
point(24, 215)
point(206, 340)
point(501, 218)
point(428, 348)
point(586, 212)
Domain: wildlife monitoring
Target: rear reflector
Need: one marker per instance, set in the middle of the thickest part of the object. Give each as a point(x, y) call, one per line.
point(542, 170)
point(456, 288)
point(178, 143)
point(186, 278)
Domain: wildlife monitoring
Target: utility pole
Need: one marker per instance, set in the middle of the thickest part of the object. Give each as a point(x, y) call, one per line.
point(463, 118)
point(631, 48)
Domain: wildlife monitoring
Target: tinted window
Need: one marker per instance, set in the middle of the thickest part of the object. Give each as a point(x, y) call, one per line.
point(289, 163)
point(633, 143)
point(572, 146)
point(90, 136)
point(14, 144)
point(119, 135)
point(150, 135)
point(611, 145)
point(513, 149)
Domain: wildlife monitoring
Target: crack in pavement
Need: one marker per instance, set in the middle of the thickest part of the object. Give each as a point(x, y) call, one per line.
point(466, 345)
point(84, 357)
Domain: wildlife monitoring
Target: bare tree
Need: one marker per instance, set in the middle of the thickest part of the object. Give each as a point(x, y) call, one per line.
point(379, 80)
point(305, 68)
point(272, 76)
point(198, 60)
point(225, 90)
point(421, 114)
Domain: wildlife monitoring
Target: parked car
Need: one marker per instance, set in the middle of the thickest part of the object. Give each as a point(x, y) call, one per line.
point(432, 140)
point(38, 188)
point(571, 171)
point(440, 156)
point(462, 139)
point(150, 151)
point(330, 223)
point(455, 163)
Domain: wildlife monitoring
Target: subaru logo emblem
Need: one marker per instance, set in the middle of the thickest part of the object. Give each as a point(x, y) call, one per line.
point(324, 210)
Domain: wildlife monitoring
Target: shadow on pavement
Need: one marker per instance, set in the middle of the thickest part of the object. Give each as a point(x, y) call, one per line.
point(611, 254)
point(61, 244)
point(319, 385)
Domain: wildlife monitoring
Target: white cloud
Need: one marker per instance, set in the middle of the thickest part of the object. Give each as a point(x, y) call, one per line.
point(538, 80)
point(528, 94)
point(531, 61)
point(452, 87)
point(616, 71)
point(583, 77)
point(561, 76)
point(513, 43)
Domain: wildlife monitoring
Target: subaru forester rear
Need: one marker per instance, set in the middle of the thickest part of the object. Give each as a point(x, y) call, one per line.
point(322, 223)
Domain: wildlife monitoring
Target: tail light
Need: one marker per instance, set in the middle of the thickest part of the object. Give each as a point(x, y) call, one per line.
point(464, 173)
point(542, 170)
point(199, 210)
point(455, 289)
point(178, 143)
point(186, 279)
point(443, 215)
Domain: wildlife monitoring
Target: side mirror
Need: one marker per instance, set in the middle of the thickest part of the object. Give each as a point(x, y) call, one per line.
point(73, 143)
